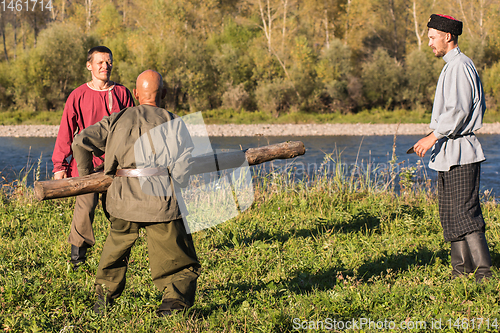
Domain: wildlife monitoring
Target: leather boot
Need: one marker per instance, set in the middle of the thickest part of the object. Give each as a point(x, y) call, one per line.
point(480, 254)
point(78, 255)
point(168, 306)
point(101, 304)
point(461, 261)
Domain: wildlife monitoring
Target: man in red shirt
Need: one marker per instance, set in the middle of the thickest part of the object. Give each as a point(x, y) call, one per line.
point(85, 106)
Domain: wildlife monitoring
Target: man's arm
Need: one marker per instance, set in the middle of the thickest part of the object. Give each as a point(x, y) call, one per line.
point(60, 174)
point(423, 145)
point(62, 147)
point(91, 141)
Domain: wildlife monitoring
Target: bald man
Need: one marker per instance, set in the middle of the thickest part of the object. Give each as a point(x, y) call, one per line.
point(148, 151)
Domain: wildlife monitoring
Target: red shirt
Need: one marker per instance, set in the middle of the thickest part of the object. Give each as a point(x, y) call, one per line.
point(85, 107)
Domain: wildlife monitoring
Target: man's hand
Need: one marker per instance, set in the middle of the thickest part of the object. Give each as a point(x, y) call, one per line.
point(423, 145)
point(60, 175)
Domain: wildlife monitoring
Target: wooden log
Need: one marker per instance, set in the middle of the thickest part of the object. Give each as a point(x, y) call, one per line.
point(99, 182)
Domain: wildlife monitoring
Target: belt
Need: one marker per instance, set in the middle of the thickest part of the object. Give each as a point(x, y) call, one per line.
point(146, 172)
point(453, 137)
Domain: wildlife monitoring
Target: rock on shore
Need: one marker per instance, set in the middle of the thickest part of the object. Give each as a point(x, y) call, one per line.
point(270, 130)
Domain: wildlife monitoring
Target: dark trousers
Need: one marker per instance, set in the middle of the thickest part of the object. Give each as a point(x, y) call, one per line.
point(459, 206)
point(172, 258)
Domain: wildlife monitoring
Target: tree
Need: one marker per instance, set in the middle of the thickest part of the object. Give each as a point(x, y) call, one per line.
point(2, 32)
point(48, 73)
point(421, 79)
point(334, 71)
point(480, 18)
point(421, 11)
point(382, 77)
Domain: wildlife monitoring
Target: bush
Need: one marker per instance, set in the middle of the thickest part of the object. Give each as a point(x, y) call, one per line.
point(47, 74)
point(339, 89)
point(382, 78)
point(302, 69)
point(236, 98)
point(276, 97)
point(421, 79)
point(5, 86)
point(491, 82)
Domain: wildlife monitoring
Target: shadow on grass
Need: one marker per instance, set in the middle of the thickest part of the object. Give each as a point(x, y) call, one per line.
point(401, 262)
point(318, 227)
point(361, 221)
point(495, 258)
point(303, 282)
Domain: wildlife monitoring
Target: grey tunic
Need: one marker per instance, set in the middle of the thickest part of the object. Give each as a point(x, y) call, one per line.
point(457, 112)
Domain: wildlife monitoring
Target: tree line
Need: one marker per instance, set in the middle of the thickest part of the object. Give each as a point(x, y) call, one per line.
point(277, 56)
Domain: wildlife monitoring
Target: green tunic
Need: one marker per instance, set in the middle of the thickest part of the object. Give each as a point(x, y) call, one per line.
point(117, 136)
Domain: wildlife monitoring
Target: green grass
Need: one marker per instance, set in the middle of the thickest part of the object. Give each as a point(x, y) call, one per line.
point(376, 116)
point(341, 248)
point(30, 117)
point(229, 116)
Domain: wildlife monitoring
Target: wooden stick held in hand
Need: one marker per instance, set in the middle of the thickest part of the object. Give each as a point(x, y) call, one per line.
point(99, 182)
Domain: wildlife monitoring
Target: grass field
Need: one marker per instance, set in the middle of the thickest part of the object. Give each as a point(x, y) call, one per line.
point(229, 116)
point(305, 254)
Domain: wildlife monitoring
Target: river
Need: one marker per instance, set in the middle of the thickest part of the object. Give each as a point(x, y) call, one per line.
point(20, 154)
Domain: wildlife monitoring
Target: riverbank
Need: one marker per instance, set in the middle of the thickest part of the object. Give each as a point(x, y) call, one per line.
point(269, 130)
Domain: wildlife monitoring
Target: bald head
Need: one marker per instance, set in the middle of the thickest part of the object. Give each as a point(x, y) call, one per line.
point(149, 88)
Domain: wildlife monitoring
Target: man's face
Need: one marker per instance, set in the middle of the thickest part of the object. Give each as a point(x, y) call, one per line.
point(101, 66)
point(437, 42)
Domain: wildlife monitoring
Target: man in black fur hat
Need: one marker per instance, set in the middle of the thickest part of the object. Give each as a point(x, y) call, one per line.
point(457, 112)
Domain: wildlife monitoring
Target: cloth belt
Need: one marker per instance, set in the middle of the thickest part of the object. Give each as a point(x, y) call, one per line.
point(146, 172)
point(460, 135)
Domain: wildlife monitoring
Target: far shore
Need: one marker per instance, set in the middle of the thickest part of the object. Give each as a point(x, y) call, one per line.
point(234, 130)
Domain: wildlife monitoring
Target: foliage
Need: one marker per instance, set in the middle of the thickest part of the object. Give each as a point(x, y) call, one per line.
point(420, 77)
point(335, 74)
point(236, 98)
point(307, 250)
point(492, 82)
point(382, 79)
point(337, 56)
point(276, 97)
point(5, 86)
point(47, 74)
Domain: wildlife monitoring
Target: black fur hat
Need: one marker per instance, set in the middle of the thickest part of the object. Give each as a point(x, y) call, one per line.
point(445, 23)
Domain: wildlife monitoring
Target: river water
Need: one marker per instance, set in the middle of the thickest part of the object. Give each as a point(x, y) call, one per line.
point(19, 155)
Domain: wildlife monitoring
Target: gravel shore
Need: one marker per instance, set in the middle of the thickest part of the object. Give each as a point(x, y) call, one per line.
point(270, 130)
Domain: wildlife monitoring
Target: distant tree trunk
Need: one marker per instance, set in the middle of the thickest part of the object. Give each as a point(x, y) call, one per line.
point(35, 28)
point(394, 22)
point(88, 8)
point(124, 11)
point(15, 35)
point(347, 11)
point(4, 45)
point(63, 9)
point(326, 30)
point(2, 31)
point(267, 24)
point(417, 33)
point(285, 3)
